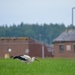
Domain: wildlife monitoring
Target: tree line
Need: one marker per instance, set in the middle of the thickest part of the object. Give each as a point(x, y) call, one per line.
point(45, 33)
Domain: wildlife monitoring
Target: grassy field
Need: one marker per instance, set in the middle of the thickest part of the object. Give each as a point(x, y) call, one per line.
point(46, 66)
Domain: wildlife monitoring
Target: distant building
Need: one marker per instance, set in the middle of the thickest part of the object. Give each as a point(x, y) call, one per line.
point(23, 45)
point(64, 44)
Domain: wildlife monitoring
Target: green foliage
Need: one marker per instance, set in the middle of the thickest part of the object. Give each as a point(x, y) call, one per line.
point(48, 31)
point(46, 66)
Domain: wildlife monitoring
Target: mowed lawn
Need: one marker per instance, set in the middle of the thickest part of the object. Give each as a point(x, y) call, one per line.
point(47, 66)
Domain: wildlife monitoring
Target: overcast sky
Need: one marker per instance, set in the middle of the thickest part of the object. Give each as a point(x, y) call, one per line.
point(36, 11)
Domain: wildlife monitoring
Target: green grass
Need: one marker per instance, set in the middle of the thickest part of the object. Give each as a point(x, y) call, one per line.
point(46, 66)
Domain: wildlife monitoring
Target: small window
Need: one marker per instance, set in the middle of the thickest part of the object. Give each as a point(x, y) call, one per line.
point(27, 51)
point(9, 49)
point(61, 48)
point(68, 47)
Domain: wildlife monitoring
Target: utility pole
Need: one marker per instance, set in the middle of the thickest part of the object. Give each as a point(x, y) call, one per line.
point(42, 51)
point(72, 15)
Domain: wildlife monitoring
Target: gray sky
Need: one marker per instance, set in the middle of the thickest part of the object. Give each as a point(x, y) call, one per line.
point(36, 11)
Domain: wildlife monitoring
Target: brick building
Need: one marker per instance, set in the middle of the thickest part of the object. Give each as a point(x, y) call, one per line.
point(23, 45)
point(64, 44)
